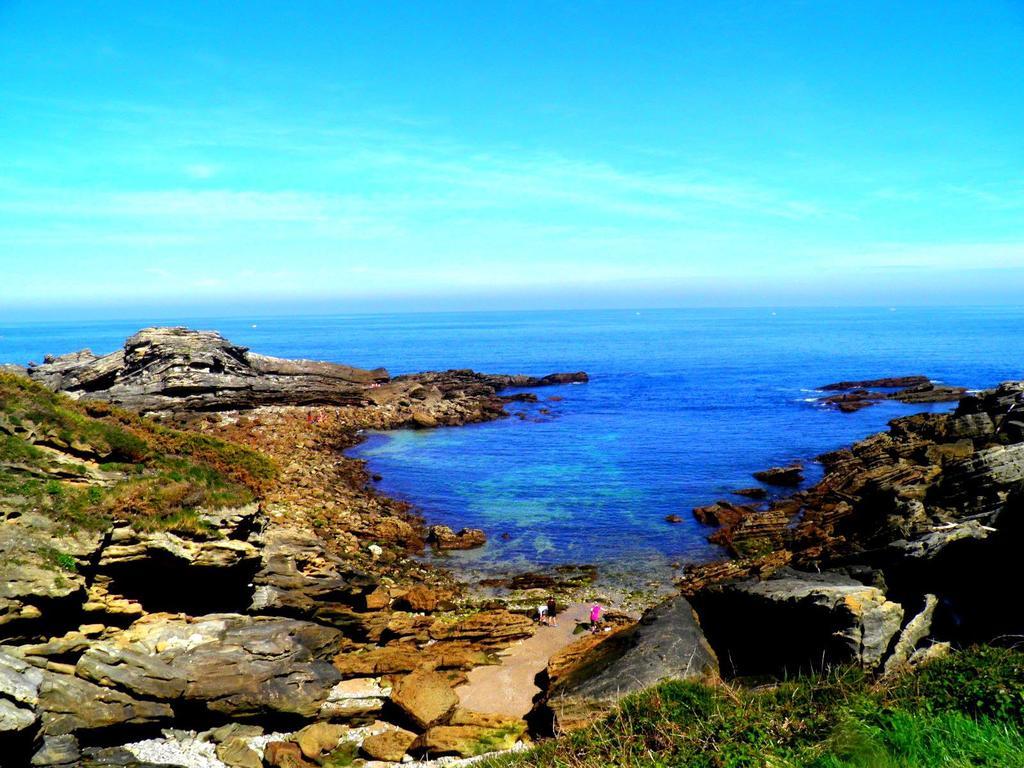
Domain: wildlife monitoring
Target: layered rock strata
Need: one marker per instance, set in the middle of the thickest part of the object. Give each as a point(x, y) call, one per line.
point(926, 515)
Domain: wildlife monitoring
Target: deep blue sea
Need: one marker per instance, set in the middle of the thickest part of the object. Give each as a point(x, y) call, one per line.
point(682, 406)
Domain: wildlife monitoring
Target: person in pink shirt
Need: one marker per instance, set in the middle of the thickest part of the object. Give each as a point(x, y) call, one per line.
point(595, 616)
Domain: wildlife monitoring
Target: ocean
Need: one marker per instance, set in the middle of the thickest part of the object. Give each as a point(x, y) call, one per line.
point(681, 408)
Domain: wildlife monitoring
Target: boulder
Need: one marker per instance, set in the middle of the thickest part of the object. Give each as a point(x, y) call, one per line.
point(236, 753)
point(425, 698)
point(587, 679)
point(284, 754)
point(319, 738)
point(419, 599)
point(488, 629)
point(795, 620)
point(422, 420)
point(139, 673)
point(790, 475)
point(401, 657)
point(390, 745)
point(14, 719)
point(911, 635)
point(377, 599)
point(230, 731)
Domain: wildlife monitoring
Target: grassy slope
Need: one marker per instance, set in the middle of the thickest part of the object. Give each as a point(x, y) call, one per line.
point(966, 710)
point(87, 464)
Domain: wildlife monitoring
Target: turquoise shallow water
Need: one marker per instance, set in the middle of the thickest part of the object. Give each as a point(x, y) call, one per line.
point(683, 405)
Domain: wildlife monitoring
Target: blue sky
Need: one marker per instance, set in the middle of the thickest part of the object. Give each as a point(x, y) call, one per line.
point(476, 155)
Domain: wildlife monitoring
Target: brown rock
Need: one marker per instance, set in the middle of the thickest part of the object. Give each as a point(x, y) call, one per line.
point(425, 697)
point(673, 519)
point(788, 475)
point(391, 745)
point(236, 753)
point(419, 599)
point(443, 537)
point(285, 754)
point(423, 420)
point(489, 629)
point(318, 738)
point(378, 599)
point(388, 660)
point(723, 513)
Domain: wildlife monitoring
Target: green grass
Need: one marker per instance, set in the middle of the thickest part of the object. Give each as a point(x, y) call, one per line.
point(162, 477)
point(960, 711)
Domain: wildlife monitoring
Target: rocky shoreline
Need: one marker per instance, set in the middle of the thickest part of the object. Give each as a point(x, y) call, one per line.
point(264, 606)
point(293, 630)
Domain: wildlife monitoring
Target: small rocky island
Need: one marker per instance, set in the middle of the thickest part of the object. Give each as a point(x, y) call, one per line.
point(194, 574)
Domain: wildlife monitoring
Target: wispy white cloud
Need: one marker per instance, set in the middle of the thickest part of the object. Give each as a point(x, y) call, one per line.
point(919, 257)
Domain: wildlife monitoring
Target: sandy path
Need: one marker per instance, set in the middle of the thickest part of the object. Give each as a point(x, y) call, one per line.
point(507, 688)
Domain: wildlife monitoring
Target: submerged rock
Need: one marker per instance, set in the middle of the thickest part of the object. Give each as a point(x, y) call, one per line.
point(443, 537)
point(789, 475)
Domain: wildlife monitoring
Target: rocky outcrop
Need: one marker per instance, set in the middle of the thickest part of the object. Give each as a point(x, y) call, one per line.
point(39, 581)
point(120, 619)
point(855, 395)
point(298, 577)
point(588, 678)
point(231, 664)
point(808, 620)
point(179, 370)
point(19, 694)
point(926, 517)
point(72, 705)
point(891, 382)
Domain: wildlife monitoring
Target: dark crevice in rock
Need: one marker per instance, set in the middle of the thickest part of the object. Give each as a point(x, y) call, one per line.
point(58, 616)
point(16, 749)
point(163, 583)
point(802, 640)
point(198, 716)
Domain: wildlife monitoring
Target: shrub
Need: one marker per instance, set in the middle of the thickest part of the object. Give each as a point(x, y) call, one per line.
point(982, 681)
